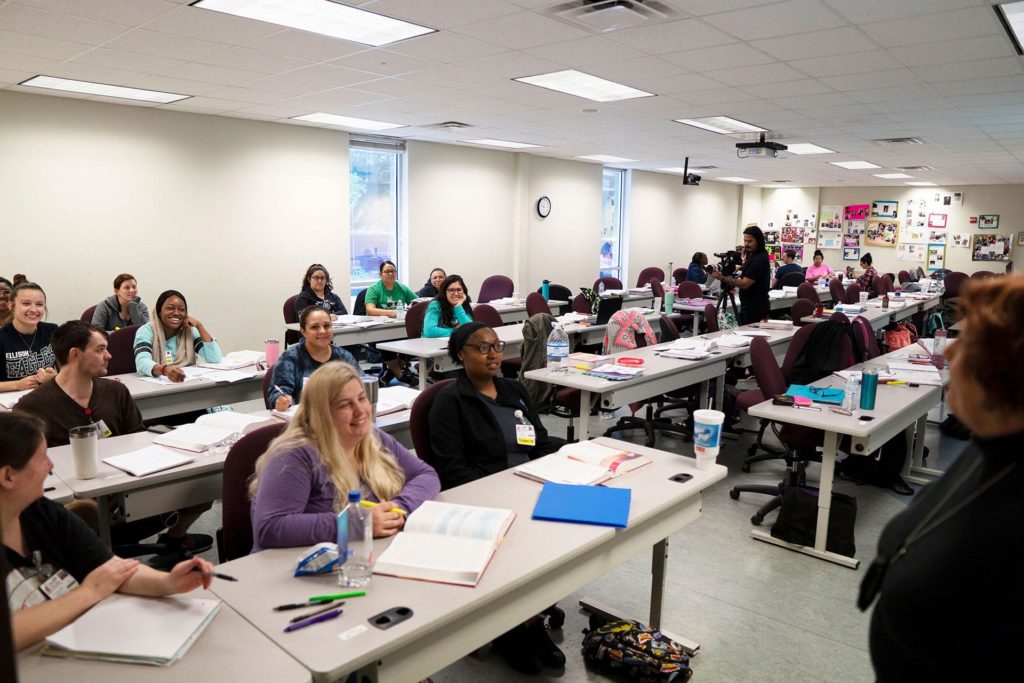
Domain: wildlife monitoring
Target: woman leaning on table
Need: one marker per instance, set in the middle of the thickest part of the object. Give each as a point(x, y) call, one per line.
point(123, 308)
point(318, 290)
point(26, 355)
point(67, 548)
point(329, 448)
point(451, 308)
point(299, 361)
point(174, 341)
point(952, 560)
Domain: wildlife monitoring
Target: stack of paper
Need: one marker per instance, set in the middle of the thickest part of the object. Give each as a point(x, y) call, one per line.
point(613, 372)
point(506, 301)
point(9, 399)
point(733, 340)
point(148, 460)
point(194, 437)
point(235, 360)
point(193, 373)
point(286, 415)
point(395, 399)
point(914, 373)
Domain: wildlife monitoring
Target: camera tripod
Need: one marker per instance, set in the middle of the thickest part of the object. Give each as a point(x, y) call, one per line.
point(728, 292)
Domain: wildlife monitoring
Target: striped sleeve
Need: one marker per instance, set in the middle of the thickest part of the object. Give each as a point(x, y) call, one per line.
point(208, 351)
point(144, 361)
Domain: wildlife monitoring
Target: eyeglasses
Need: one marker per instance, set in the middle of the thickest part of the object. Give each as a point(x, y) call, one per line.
point(388, 271)
point(455, 291)
point(484, 349)
point(318, 277)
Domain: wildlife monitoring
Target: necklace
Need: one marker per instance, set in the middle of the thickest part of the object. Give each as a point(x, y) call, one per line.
point(30, 344)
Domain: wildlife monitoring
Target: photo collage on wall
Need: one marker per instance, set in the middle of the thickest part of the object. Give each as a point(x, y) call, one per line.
point(854, 227)
point(991, 247)
point(830, 226)
point(796, 232)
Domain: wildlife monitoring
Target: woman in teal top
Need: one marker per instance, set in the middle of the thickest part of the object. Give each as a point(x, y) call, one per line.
point(173, 341)
point(449, 309)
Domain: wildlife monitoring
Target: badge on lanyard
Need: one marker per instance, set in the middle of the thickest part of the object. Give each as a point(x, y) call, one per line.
point(526, 435)
point(103, 429)
point(59, 584)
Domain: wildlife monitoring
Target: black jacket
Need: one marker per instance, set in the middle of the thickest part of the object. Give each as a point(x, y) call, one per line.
point(467, 440)
point(427, 290)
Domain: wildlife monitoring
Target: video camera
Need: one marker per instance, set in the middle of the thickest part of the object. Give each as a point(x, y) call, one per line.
point(728, 262)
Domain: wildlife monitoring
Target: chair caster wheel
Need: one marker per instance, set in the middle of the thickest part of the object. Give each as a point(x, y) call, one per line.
point(756, 520)
point(734, 494)
point(745, 467)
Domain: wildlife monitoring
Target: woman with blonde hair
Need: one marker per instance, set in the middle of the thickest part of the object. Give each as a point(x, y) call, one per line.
point(330, 448)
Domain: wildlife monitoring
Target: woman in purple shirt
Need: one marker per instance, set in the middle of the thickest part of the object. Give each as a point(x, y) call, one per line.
point(329, 448)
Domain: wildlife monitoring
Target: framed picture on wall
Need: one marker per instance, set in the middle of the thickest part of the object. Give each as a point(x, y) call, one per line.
point(851, 253)
point(1020, 238)
point(884, 208)
point(991, 248)
point(936, 220)
point(988, 221)
point(881, 232)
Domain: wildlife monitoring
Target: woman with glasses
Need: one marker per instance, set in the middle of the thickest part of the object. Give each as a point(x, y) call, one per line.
point(449, 309)
point(318, 290)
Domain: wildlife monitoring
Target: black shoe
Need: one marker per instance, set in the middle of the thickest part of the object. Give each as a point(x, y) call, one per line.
point(385, 377)
point(542, 646)
point(518, 651)
point(192, 543)
point(411, 378)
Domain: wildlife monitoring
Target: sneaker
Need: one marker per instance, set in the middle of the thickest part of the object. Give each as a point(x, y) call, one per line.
point(192, 543)
point(543, 648)
point(518, 651)
point(411, 378)
point(385, 377)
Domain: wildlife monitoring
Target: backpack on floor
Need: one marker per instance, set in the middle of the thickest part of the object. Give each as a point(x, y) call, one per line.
point(883, 468)
point(635, 651)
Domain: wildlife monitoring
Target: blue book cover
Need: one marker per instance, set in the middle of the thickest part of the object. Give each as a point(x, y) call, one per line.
point(830, 395)
point(583, 505)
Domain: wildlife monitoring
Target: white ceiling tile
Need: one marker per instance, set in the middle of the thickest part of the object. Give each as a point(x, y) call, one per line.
point(165, 45)
point(206, 105)
point(520, 30)
point(965, 23)
point(37, 65)
point(396, 87)
point(804, 103)
point(123, 12)
point(983, 68)
point(864, 11)
point(441, 14)
point(332, 75)
point(670, 36)
point(806, 86)
point(9, 77)
point(873, 79)
point(540, 98)
point(196, 22)
point(702, 7)
point(36, 46)
point(383, 62)
point(248, 95)
point(839, 65)
point(446, 47)
point(680, 83)
point(307, 46)
point(119, 59)
point(131, 79)
point(288, 85)
point(733, 55)
point(628, 70)
point(720, 96)
point(915, 105)
point(213, 74)
point(255, 60)
point(22, 19)
point(982, 86)
point(335, 101)
point(450, 76)
point(584, 51)
point(782, 19)
point(826, 43)
point(451, 97)
point(764, 73)
point(952, 51)
point(512, 64)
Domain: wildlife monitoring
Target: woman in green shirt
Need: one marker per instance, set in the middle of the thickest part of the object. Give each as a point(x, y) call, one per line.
point(382, 298)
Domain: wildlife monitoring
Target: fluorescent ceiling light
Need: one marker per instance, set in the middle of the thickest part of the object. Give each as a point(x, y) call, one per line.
point(491, 142)
point(583, 85)
point(348, 121)
point(681, 169)
point(922, 184)
point(606, 158)
point(321, 16)
point(68, 85)
point(807, 148)
point(854, 165)
point(892, 176)
point(735, 179)
point(1011, 14)
point(723, 125)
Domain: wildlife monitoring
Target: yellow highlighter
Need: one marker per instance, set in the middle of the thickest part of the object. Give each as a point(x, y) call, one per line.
point(371, 504)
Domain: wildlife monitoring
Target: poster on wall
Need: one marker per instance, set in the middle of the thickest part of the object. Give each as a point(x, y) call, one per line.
point(953, 199)
point(937, 220)
point(854, 227)
point(774, 252)
point(851, 253)
point(771, 237)
point(830, 218)
point(936, 256)
point(1020, 238)
point(911, 252)
point(988, 221)
point(884, 208)
point(911, 235)
point(937, 237)
point(798, 248)
point(961, 239)
point(856, 212)
point(881, 232)
point(830, 240)
point(851, 240)
point(792, 234)
point(991, 247)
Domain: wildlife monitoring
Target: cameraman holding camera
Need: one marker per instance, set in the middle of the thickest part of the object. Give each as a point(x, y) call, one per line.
point(754, 278)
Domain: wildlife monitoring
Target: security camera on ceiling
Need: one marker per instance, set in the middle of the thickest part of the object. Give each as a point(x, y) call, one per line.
point(762, 149)
point(689, 178)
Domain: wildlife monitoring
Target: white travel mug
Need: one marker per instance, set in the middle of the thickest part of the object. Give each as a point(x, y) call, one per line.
point(84, 442)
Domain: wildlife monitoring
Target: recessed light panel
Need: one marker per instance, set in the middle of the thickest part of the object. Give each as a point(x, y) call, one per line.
point(89, 88)
point(892, 176)
point(735, 179)
point(1011, 14)
point(583, 85)
point(606, 158)
point(854, 165)
point(348, 121)
point(722, 125)
point(807, 148)
point(508, 144)
point(321, 16)
point(922, 183)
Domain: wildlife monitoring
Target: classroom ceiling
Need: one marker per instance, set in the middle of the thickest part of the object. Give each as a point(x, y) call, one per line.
point(836, 73)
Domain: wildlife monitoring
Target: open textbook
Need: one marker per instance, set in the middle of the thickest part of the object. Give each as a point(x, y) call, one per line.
point(583, 463)
point(447, 543)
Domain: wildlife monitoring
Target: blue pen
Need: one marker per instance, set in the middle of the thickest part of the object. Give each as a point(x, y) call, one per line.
point(313, 620)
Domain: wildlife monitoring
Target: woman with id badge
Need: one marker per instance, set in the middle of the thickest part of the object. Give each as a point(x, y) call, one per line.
point(58, 568)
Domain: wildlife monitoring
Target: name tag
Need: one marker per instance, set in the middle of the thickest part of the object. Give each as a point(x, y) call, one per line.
point(58, 584)
point(104, 429)
point(526, 435)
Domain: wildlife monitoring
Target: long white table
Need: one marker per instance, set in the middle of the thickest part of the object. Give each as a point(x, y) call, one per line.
point(159, 400)
point(513, 313)
point(537, 564)
point(349, 335)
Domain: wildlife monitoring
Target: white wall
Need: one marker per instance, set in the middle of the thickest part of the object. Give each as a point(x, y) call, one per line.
point(670, 221)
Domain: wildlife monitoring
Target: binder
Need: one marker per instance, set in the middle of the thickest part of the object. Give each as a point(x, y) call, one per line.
point(597, 505)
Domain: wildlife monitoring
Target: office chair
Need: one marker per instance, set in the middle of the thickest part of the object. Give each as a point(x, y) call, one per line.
point(268, 379)
point(535, 303)
point(903, 276)
point(650, 272)
point(680, 274)
point(121, 347)
point(290, 316)
point(852, 294)
point(801, 308)
point(87, 314)
point(807, 291)
point(414, 320)
point(835, 288)
point(792, 280)
point(496, 287)
point(609, 282)
point(561, 401)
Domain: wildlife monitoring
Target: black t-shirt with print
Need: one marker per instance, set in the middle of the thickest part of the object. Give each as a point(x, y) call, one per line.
point(22, 355)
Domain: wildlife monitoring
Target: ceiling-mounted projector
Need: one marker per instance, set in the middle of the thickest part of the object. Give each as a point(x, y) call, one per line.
point(762, 149)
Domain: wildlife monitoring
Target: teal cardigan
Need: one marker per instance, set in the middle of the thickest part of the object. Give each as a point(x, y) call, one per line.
point(432, 320)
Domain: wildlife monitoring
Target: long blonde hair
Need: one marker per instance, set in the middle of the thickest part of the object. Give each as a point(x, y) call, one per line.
point(313, 425)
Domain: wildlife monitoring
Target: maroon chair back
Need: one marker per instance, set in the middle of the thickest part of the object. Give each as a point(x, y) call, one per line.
point(496, 287)
point(903, 276)
point(487, 314)
point(558, 292)
point(535, 304)
point(121, 347)
point(657, 289)
point(609, 282)
point(877, 287)
point(866, 338)
point(234, 538)
point(792, 280)
point(796, 347)
point(887, 282)
point(87, 314)
point(711, 317)
point(669, 331)
point(580, 304)
point(419, 422)
point(680, 274)
point(268, 379)
point(953, 282)
point(801, 309)
point(649, 272)
point(766, 370)
point(288, 309)
point(839, 317)
point(891, 276)
point(835, 288)
point(979, 275)
point(689, 290)
point(414, 319)
point(807, 291)
point(852, 294)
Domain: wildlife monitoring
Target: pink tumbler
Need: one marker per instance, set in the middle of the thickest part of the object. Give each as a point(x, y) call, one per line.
point(272, 347)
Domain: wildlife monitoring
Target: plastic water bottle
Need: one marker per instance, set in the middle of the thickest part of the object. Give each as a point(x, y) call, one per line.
point(851, 401)
point(558, 350)
point(400, 311)
point(355, 543)
point(939, 348)
point(600, 288)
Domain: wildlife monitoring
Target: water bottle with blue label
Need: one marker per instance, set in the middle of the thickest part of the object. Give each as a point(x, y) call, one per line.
point(355, 543)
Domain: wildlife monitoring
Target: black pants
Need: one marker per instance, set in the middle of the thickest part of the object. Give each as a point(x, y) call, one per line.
point(754, 314)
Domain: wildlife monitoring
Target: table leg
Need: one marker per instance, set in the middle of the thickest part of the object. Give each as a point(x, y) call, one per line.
point(584, 415)
point(103, 517)
point(915, 464)
point(425, 366)
point(696, 323)
point(720, 393)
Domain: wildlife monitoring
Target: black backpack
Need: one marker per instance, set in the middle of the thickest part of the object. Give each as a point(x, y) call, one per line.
point(883, 468)
point(634, 651)
point(822, 354)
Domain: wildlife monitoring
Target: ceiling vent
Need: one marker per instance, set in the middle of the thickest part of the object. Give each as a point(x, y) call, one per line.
point(781, 181)
point(914, 168)
point(899, 141)
point(450, 125)
point(600, 16)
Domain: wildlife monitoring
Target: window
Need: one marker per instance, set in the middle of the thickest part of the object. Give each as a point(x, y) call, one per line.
point(612, 220)
point(373, 211)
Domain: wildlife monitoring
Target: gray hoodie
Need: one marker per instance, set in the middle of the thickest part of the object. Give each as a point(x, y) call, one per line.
point(108, 313)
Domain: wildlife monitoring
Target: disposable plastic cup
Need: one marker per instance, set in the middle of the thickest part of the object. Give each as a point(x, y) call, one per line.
point(272, 347)
point(707, 436)
point(83, 450)
point(863, 297)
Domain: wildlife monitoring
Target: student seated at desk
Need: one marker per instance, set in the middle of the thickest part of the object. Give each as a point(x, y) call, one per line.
point(6, 309)
point(819, 270)
point(66, 547)
point(790, 266)
point(432, 287)
point(123, 308)
point(26, 356)
point(697, 271)
point(329, 448)
point(299, 361)
point(867, 280)
point(381, 299)
point(449, 309)
point(318, 290)
point(80, 395)
point(174, 341)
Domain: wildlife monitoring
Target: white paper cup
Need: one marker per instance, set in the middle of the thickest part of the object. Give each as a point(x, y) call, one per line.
point(83, 450)
point(707, 436)
point(863, 297)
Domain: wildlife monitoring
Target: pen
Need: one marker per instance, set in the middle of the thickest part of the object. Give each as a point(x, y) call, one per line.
point(316, 613)
point(49, 488)
point(214, 574)
point(337, 596)
point(371, 504)
point(333, 614)
point(807, 408)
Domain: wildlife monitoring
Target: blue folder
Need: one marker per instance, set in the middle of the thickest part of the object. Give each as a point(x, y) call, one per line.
point(583, 505)
point(830, 395)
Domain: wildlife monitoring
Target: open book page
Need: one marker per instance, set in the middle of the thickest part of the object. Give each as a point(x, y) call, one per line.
point(614, 460)
point(447, 559)
point(287, 414)
point(194, 437)
point(148, 460)
point(235, 360)
point(234, 421)
point(465, 521)
point(395, 399)
point(561, 469)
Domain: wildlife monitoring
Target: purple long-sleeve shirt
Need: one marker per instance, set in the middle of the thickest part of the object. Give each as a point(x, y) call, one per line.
point(294, 504)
